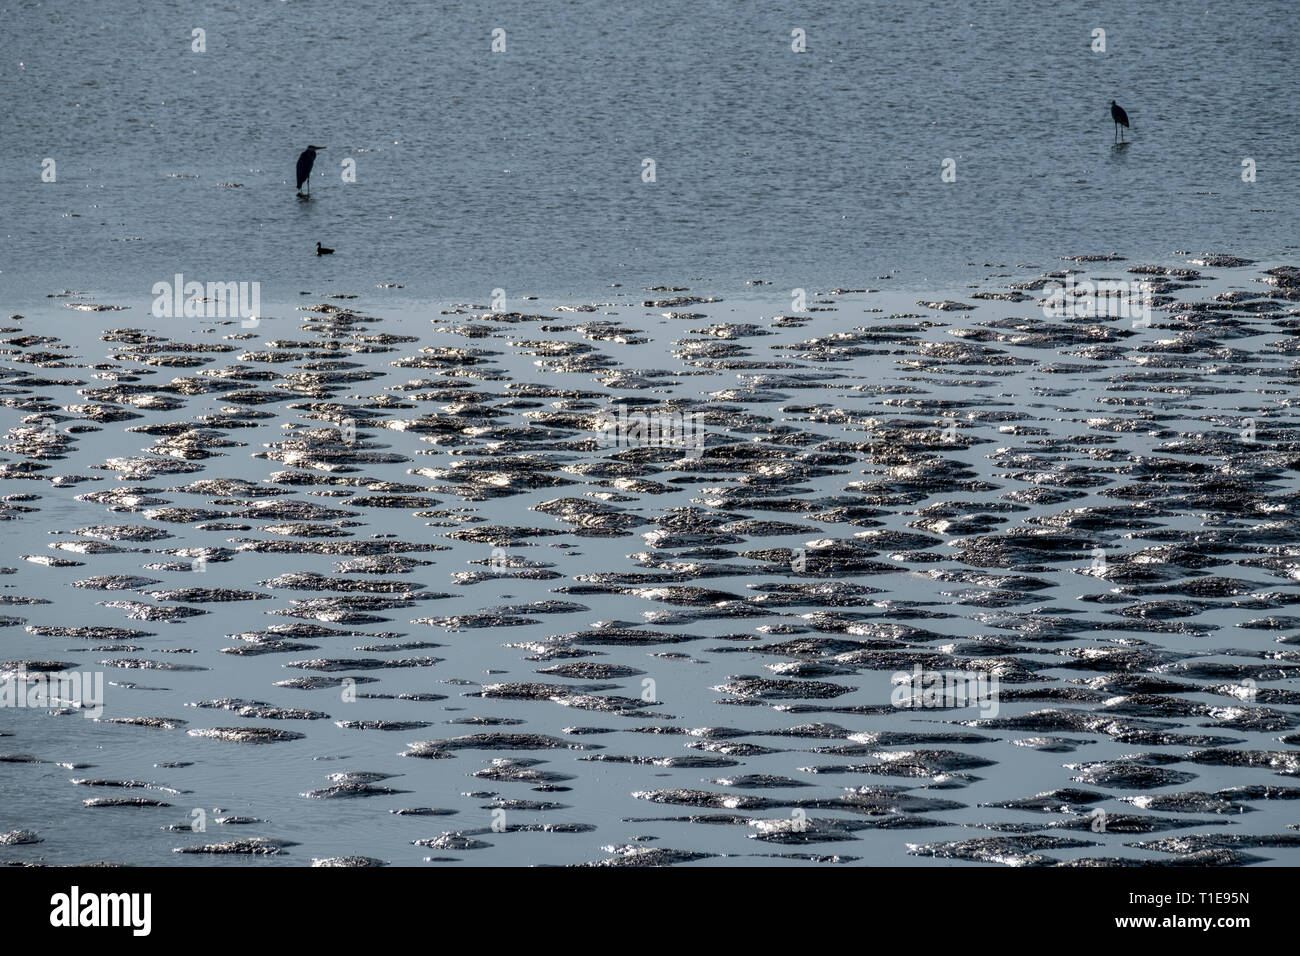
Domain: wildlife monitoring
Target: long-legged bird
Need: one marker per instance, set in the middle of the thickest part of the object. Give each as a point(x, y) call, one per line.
point(305, 162)
point(1117, 114)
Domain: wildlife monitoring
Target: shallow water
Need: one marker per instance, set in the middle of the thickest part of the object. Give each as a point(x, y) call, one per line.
point(522, 170)
point(887, 481)
point(949, 465)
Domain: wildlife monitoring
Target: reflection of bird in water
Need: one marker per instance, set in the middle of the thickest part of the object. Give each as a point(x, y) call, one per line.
point(322, 251)
point(1117, 114)
point(305, 162)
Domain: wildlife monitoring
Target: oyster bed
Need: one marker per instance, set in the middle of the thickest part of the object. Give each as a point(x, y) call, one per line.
point(378, 589)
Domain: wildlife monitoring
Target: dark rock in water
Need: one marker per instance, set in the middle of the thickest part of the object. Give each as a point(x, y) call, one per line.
point(1187, 802)
point(453, 841)
point(730, 748)
point(1150, 738)
point(318, 681)
point(134, 663)
point(503, 803)
point(140, 611)
point(689, 762)
point(760, 687)
point(1286, 277)
point(617, 635)
point(162, 723)
point(1126, 776)
point(608, 704)
point(261, 710)
point(1205, 858)
point(247, 735)
point(703, 798)
point(351, 790)
point(647, 856)
point(254, 846)
point(936, 764)
point(1128, 823)
point(1067, 800)
point(530, 690)
point(359, 776)
point(1259, 792)
point(1050, 744)
point(382, 724)
point(115, 582)
point(458, 621)
point(138, 802)
point(34, 667)
point(361, 663)
point(1285, 762)
point(89, 632)
point(760, 782)
point(123, 533)
point(1070, 721)
point(125, 784)
point(433, 748)
point(257, 648)
point(1221, 261)
point(804, 829)
point(1013, 851)
point(19, 838)
point(1196, 842)
point(305, 581)
point(591, 670)
point(347, 861)
point(516, 770)
point(425, 812)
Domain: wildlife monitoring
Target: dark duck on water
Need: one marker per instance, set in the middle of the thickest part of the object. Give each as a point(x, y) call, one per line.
point(322, 251)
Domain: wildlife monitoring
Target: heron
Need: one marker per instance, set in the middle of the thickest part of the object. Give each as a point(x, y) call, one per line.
point(1117, 114)
point(322, 251)
point(305, 162)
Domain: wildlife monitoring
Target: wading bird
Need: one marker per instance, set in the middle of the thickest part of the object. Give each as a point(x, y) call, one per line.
point(322, 251)
point(1117, 114)
point(305, 162)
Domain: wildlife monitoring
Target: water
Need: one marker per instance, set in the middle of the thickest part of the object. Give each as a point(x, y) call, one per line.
point(1106, 426)
point(521, 172)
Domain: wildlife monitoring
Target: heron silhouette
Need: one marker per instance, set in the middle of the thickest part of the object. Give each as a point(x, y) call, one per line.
point(1117, 114)
point(305, 162)
point(322, 251)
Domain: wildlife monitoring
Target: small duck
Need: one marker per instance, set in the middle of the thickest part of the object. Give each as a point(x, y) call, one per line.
point(322, 251)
